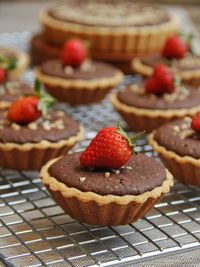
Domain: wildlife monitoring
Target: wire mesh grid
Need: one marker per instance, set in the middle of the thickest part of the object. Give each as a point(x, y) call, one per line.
point(34, 231)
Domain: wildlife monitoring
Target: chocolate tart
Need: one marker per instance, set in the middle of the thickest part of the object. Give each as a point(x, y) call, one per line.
point(86, 84)
point(106, 198)
point(22, 62)
point(188, 68)
point(12, 92)
point(178, 146)
point(117, 29)
point(28, 147)
point(144, 111)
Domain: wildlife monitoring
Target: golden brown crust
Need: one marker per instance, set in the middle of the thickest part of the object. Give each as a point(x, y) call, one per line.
point(68, 192)
point(43, 144)
point(78, 83)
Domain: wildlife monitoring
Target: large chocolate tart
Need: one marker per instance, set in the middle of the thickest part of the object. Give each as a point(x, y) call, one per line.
point(28, 147)
point(87, 84)
point(147, 112)
point(106, 197)
point(188, 68)
point(178, 146)
point(115, 29)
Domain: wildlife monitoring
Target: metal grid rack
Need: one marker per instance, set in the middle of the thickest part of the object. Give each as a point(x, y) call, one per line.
point(34, 231)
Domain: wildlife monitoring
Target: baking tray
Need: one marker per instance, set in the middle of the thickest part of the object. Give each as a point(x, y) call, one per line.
point(34, 231)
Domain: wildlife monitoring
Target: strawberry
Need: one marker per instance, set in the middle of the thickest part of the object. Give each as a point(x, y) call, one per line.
point(29, 108)
point(161, 81)
point(2, 75)
point(196, 123)
point(111, 148)
point(175, 48)
point(73, 53)
point(24, 110)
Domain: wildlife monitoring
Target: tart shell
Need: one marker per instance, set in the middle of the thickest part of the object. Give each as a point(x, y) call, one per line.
point(22, 63)
point(32, 156)
point(124, 40)
point(106, 210)
point(79, 91)
point(185, 169)
point(147, 119)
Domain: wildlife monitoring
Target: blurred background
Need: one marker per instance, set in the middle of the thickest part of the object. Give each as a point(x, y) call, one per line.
point(21, 15)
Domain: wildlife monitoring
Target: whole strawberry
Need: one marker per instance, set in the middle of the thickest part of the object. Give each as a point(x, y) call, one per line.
point(24, 110)
point(196, 123)
point(161, 81)
point(73, 53)
point(29, 108)
point(175, 48)
point(2, 76)
point(111, 148)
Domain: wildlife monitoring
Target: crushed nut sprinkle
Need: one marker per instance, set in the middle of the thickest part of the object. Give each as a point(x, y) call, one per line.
point(60, 113)
point(107, 174)
point(87, 66)
point(47, 125)
point(186, 133)
point(68, 70)
point(32, 126)
point(129, 167)
point(176, 128)
point(82, 179)
point(15, 126)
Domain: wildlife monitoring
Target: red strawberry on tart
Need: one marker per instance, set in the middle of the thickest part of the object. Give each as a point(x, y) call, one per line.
point(157, 100)
point(31, 134)
point(178, 145)
point(178, 54)
point(107, 184)
point(74, 78)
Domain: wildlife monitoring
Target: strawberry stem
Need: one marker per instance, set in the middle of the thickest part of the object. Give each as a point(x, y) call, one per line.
point(130, 139)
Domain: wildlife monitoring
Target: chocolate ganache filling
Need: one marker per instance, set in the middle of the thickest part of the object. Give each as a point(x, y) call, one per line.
point(97, 70)
point(139, 175)
point(14, 90)
point(185, 98)
point(178, 137)
point(46, 129)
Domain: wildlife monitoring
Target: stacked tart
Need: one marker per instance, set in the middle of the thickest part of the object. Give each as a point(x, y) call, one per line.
point(30, 136)
point(106, 184)
point(178, 55)
point(156, 101)
point(12, 63)
point(178, 146)
point(76, 79)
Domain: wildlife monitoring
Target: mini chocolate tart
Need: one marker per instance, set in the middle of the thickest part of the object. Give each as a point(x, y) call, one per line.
point(28, 147)
point(22, 61)
point(12, 91)
point(188, 68)
point(86, 84)
point(144, 111)
point(178, 146)
point(104, 197)
point(114, 28)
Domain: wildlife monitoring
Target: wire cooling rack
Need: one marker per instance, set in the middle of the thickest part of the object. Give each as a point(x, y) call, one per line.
point(34, 231)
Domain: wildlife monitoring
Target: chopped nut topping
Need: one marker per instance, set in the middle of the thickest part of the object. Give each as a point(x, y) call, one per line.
point(46, 125)
point(60, 113)
point(87, 66)
point(117, 171)
point(82, 179)
point(186, 133)
point(68, 70)
point(107, 174)
point(129, 167)
point(176, 128)
point(32, 126)
point(15, 126)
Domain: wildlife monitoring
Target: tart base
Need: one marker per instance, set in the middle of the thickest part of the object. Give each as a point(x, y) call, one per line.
point(146, 119)
point(32, 156)
point(92, 208)
point(185, 169)
point(77, 92)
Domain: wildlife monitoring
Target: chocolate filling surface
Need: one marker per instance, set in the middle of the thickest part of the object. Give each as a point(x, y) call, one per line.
point(152, 101)
point(14, 91)
point(109, 13)
point(187, 63)
point(188, 146)
point(55, 68)
point(139, 175)
point(25, 134)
